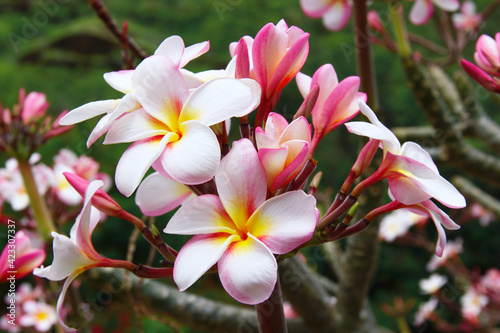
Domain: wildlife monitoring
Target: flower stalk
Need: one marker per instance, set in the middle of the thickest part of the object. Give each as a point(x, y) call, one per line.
point(38, 206)
point(270, 314)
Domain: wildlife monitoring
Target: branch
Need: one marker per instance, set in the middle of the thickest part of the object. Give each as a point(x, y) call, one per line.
point(476, 194)
point(186, 308)
point(103, 13)
point(305, 292)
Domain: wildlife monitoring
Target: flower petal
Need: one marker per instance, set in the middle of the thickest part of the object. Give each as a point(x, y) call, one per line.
point(315, 8)
point(221, 99)
point(173, 48)
point(201, 215)
point(67, 259)
point(194, 158)
point(337, 15)
point(160, 89)
point(194, 51)
point(135, 126)
point(273, 161)
point(89, 110)
point(448, 5)
point(158, 195)
point(303, 83)
point(199, 254)
point(421, 12)
point(136, 161)
point(284, 222)
point(248, 271)
point(120, 80)
point(241, 182)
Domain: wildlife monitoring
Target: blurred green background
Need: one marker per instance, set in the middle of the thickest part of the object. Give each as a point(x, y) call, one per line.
point(61, 48)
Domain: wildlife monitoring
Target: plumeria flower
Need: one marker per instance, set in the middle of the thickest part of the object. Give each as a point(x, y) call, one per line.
point(335, 13)
point(491, 281)
point(26, 257)
point(473, 302)
point(397, 224)
point(172, 127)
point(337, 102)
point(159, 194)
point(40, 315)
point(74, 255)
point(467, 20)
point(83, 166)
point(412, 175)
point(432, 284)
point(12, 187)
point(452, 249)
point(422, 10)
point(425, 311)
point(487, 55)
point(283, 148)
point(172, 47)
point(272, 59)
point(8, 324)
point(239, 229)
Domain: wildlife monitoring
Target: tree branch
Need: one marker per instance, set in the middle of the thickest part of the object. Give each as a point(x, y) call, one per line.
point(185, 308)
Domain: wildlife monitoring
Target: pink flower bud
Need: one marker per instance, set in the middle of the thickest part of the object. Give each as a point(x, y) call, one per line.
point(35, 106)
point(374, 21)
point(481, 77)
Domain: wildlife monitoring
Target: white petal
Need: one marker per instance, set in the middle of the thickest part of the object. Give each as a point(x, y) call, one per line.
point(241, 182)
point(89, 110)
point(158, 195)
point(421, 12)
point(201, 215)
point(199, 254)
point(135, 126)
point(136, 161)
point(193, 159)
point(120, 80)
point(67, 259)
point(221, 99)
point(248, 271)
point(173, 48)
point(284, 222)
point(447, 5)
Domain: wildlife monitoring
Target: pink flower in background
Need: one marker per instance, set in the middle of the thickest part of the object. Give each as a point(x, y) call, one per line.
point(26, 257)
point(487, 55)
point(82, 166)
point(412, 175)
point(272, 59)
point(491, 281)
point(432, 284)
point(35, 106)
point(467, 19)
point(172, 47)
point(452, 249)
point(337, 102)
point(473, 303)
point(335, 13)
point(397, 224)
point(422, 10)
point(425, 311)
point(173, 124)
point(39, 315)
point(12, 188)
point(239, 229)
point(283, 149)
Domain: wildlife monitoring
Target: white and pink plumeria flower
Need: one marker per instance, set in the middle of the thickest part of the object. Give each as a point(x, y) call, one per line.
point(335, 13)
point(337, 102)
point(240, 230)
point(39, 315)
point(172, 47)
point(283, 149)
point(422, 10)
point(412, 175)
point(173, 124)
point(467, 20)
point(74, 255)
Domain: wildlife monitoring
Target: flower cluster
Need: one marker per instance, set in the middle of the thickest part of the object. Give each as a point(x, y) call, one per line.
point(245, 203)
